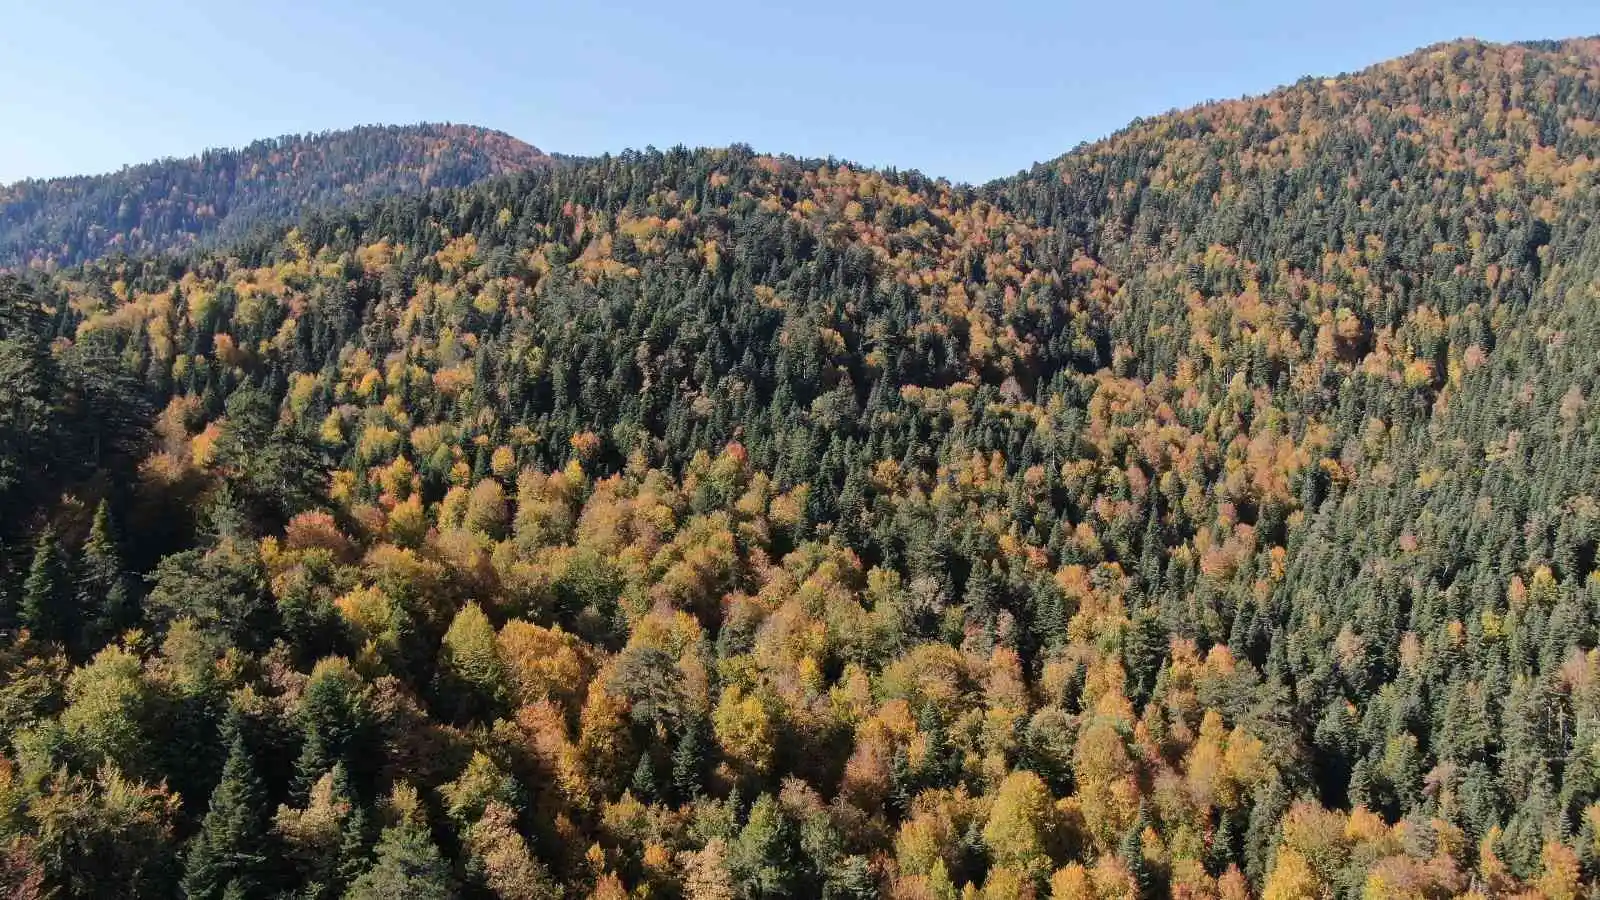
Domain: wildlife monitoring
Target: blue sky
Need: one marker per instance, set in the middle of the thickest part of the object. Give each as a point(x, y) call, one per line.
point(970, 90)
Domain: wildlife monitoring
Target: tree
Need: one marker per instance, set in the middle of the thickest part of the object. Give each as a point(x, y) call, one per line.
point(1291, 876)
point(689, 759)
point(486, 511)
point(745, 729)
point(46, 607)
point(103, 593)
point(408, 863)
point(481, 783)
point(705, 872)
point(1131, 852)
point(764, 859)
point(335, 725)
point(502, 860)
point(108, 836)
point(315, 837)
point(29, 392)
point(228, 856)
point(472, 679)
point(224, 590)
point(1144, 645)
point(276, 470)
point(21, 876)
point(109, 712)
point(1022, 830)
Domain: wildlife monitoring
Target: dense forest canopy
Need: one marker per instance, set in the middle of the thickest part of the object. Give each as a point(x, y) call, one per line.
point(1210, 513)
point(222, 195)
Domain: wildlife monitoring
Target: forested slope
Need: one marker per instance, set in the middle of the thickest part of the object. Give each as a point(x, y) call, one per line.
point(221, 195)
point(1211, 512)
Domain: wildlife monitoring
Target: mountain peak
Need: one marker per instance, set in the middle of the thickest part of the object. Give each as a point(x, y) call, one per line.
point(175, 204)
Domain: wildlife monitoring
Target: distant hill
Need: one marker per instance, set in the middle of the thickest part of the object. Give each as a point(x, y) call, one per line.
point(177, 203)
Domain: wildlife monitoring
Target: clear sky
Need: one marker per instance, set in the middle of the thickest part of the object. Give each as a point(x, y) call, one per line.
point(969, 90)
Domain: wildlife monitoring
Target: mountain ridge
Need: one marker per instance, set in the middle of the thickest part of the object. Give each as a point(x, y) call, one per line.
point(1212, 512)
point(219, 194)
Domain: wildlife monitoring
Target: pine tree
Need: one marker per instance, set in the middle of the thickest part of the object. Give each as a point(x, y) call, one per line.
point(102, 586)
point(765, 857)
point(227, 857)
point(1131, 849)
point(44, 610)
point(1220, 852)
point(1144, 646)
point(408, 865)
point(334, 723)
point(940, 766)
point(689, 761)
point(355, 842)
point(644, 785)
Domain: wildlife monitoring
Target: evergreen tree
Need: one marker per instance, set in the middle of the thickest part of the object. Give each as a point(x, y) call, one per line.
point(689, 760)
point(45, 609)
point(355, 839)
point(229, 855)
point(764, 858)
point(102, 586)
point(408, 865)
point(1131, 850)
point(643, 785)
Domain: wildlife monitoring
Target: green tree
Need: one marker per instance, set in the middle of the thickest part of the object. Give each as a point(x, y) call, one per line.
point(764, 859)
point(224, 590)
point(472, 679)
point(103, 595)
point(229, 854)
point(45, 610)
point(276, 470)
point(689, 759)
point(108, 836)
point(29, 388)
point(408, 864)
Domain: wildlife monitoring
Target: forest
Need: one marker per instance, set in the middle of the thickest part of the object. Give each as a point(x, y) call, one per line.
point(222, 195)
point(1211, 512)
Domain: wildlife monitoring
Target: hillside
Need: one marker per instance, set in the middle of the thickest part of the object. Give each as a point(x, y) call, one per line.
point(220, 195)
point(1211, 512)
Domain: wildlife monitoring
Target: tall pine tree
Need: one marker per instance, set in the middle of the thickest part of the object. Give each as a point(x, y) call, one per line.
point(227, 858)
point(45, 609)
point(103, 598)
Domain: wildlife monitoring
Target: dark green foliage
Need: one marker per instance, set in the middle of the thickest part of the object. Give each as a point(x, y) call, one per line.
point(765, 858)
point(273, 470)
point(336, 730)
point(229, 855)
point(103, 594)
point(408, 865)
point(222, 589)
point(46, 608)
point(1144, 646)
point(689, 759)
point(105, 837)
point(28, 382)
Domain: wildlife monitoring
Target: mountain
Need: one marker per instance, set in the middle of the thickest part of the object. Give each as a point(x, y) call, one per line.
point(1211, 512)
point(222, 194)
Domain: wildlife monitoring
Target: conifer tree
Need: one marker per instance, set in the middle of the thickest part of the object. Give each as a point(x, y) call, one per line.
point(644, 784)
point(228, 856)
point(44, 610)
point(102, 587)
point(689, 760)
point(1131, 849)
point(408, 863)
